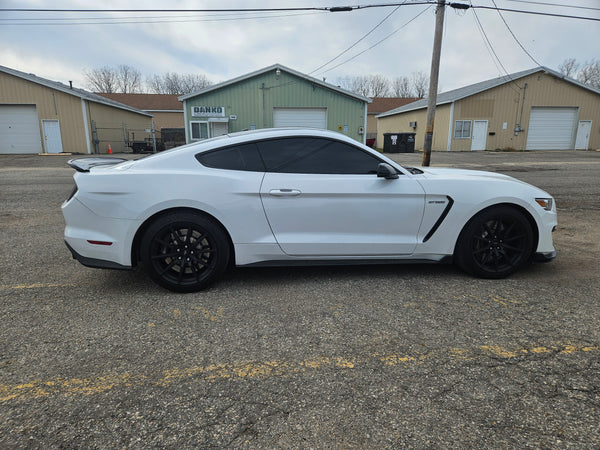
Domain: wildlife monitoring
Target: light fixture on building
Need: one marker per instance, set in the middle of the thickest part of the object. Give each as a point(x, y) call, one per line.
point(278, 72)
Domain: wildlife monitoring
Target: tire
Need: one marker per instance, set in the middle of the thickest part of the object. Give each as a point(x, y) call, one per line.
point(495, 243)
point(184, 252)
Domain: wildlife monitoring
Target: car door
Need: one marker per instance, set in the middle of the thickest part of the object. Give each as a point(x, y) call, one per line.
point(323, 198)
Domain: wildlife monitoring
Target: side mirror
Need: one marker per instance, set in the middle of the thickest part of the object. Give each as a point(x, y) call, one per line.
point(386, 171)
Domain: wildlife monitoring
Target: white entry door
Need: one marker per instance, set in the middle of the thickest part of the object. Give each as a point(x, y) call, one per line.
point(52, 138)
point(479, 139)
point(583, 135)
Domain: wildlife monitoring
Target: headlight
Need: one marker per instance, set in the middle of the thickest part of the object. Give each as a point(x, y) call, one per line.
point(545, 203)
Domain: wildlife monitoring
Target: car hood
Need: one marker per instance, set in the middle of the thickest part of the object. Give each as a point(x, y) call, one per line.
point(462, 174)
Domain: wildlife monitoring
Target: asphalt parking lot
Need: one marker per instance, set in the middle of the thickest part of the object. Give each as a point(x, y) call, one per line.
point(390, 356)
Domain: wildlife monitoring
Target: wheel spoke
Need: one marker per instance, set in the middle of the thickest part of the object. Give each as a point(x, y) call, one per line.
point(513, 248)
point(165, 255)
point(514, 238)
point(169, 267)
point(507, 231)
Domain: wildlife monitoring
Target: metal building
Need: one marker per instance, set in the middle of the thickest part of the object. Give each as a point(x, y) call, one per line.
point(275, 96)
point(43, 116)
point(537, 109)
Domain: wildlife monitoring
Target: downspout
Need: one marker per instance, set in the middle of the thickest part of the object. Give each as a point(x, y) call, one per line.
point(86, 127)
point(450, 127)
point(185, 121)
point(518, 127)
point(364, 136)
point(263, 106)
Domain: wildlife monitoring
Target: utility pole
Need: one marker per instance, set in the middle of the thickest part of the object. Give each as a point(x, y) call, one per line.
point(433, 79)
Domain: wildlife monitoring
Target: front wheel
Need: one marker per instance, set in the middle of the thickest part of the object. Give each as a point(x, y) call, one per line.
point(184, 252)
point(495, 243)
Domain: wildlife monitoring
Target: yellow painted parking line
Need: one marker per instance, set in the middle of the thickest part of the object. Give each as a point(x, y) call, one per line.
point(35, 286)
point(267, 369)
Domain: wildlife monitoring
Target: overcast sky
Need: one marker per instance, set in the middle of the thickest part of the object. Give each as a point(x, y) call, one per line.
point(226, 45)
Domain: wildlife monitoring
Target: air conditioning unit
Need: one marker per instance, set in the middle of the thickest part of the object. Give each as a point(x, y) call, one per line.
point(412, 124)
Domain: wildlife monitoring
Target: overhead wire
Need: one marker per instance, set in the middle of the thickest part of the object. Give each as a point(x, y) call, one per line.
point(381, 40)
point(554, 4)
point(515, 37)
point(357, 42)
point(490, 47)
point(128, 20)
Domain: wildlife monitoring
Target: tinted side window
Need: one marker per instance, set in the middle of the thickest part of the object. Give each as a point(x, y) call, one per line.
point(314, 155)
point(239, 157)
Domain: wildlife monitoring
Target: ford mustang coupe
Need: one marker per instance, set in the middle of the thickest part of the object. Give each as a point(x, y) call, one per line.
point(293, 196)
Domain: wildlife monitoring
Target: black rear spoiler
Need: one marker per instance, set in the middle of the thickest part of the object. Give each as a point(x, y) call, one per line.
point(85, 164)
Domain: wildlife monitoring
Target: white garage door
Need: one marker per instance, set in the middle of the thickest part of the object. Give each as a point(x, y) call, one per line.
point(300, 117)
point(19, 129)
point(551, 128)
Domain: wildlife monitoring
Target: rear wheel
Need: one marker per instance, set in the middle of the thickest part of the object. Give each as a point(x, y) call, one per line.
point(495, 243)
point(184, 252)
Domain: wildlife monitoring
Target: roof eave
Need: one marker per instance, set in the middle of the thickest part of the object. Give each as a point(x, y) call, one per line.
point(268, 69)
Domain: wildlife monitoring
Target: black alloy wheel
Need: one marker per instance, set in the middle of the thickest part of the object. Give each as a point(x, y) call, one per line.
point(495, 243)
point(184, 252)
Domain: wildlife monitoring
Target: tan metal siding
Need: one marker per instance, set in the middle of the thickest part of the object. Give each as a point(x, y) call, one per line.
point(51, 105)
point(67, 109)
point(400, 123)
point(114, 125)
point(503, 105)
point(168, 120)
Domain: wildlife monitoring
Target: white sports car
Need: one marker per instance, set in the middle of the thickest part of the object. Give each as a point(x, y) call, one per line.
point(289, 197)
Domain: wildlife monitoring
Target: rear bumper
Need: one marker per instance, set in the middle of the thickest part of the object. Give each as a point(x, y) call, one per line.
point(95, 263)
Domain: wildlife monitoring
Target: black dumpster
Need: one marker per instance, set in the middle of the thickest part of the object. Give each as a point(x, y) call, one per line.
point(399, 142)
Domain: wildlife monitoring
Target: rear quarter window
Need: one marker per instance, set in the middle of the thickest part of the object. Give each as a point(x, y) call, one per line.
point(239, 157)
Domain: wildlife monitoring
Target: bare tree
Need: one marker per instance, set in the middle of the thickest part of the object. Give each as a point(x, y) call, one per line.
point(366, 85)
point(379, 86)
point(103, 79)
point(590, 73)
point(129, 80)
point(154, 84)
point(569, 67)
point(177, 84)
point(360, 85)
point(401, 87)
point(420, 83)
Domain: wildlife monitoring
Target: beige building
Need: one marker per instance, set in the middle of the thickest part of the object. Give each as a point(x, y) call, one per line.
point(166, 108)
point(537, 109)
point(381, 105)
point(43, 116)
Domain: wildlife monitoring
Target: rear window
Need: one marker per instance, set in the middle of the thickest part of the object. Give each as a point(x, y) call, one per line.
point(238, 157)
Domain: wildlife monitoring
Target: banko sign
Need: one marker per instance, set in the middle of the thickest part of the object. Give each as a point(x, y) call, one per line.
point(208, 111)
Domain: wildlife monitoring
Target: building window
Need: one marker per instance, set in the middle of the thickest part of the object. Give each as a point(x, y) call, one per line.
point(199, 130)
point(462, 129)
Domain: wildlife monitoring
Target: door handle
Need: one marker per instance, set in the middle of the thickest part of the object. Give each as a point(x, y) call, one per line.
point(284, 192)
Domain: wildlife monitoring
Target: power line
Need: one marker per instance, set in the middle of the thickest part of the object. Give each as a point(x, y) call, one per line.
point(240, 10)
point(515, 37)
point(128, 20)
point(360, 40)
point(491, 47)
point(298, 9)
point(536, 13)
point(380, 41)
point(555, 4)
